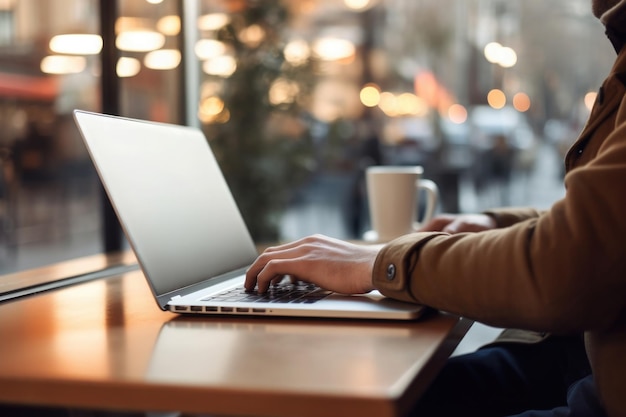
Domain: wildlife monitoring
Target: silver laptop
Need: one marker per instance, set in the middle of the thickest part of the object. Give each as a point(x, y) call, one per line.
point(187, 233)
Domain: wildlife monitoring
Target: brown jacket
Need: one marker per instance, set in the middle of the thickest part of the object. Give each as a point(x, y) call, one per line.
point(562, 270)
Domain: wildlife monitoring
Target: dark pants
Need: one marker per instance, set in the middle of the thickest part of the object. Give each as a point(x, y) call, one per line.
point(547, 379)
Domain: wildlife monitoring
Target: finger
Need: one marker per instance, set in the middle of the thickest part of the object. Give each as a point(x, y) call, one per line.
point(252, 274)
point(277, 268)
point(277, 280)
point(283, 260)
point(295, 243)
point(451, 228)
point(437, 224)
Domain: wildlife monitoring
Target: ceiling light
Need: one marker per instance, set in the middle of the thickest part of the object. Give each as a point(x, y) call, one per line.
point(139, 41)
point(127, 67)
point(63, 64)
point(169, 25)
point(222, 66)
point(76, 44)
point(297, 52)
point(333, 49)
point(209, 48)
point(357, 4)
point(213, 21)
point(162, 59)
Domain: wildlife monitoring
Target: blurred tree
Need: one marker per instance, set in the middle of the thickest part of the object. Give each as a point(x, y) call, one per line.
point(259, 136)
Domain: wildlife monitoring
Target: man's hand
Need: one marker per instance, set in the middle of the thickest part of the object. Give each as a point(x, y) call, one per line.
point(460, 223)
point(330, 263)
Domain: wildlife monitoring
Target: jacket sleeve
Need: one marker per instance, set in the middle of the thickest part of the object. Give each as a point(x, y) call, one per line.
point(506, 217)
point(561, 271)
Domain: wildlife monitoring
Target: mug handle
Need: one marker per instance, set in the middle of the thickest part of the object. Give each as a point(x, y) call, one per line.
point(432, 196)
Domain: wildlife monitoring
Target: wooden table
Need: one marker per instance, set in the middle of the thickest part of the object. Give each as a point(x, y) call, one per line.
point(65, 273)
point(105, 344)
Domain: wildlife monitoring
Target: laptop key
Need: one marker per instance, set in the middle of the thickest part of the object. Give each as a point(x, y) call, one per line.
point(286, 293)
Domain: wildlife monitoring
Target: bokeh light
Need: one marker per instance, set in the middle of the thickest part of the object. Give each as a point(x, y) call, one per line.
point(521, 102)
point(78, 44)
point(221, 66)
point(63, 64)
point(590, 99)
point(370, 95)
point(297, 52)
point(169, 25)
point(127, 67)
point(213, 21)
point(496, 98)
point(457, 114)
point(357, 4)
point(163, 59)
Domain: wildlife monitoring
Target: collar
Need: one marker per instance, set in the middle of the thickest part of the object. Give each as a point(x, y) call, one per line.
point(617, 39)
point(614, 20)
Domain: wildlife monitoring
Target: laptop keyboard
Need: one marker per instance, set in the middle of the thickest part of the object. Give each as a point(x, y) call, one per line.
point(299, 293)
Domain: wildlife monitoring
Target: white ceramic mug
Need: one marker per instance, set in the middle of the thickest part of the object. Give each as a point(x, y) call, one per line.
point(393, 196)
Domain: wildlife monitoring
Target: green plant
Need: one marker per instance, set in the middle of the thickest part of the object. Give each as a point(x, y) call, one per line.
point(263, 146)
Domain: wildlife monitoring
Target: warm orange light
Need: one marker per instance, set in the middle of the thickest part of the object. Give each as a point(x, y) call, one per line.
point(213, 21)
point(169, 25)
point(127, 67)
point(76, 44)
point(283, 91)
point(334, 49)
point(521, 102)
point(252, 36)
point(212, 110)
point(297, 52)
point(426, 86)
point(370, 95)
point(410, 104)
point(590, 98)
point(457, 114)
point(388, 104)
point(162, 59)
point(502, 55)
point(496, 98)
point(357, 4)
point(139, 40)
point(63, 64)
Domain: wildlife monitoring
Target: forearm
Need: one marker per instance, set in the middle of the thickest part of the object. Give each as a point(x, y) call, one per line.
point(539, 274)
point(509, 216)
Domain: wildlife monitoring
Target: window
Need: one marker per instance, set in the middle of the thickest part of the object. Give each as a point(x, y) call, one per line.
point(296, 97)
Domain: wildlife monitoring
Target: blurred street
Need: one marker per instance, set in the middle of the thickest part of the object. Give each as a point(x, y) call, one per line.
point(324, 207)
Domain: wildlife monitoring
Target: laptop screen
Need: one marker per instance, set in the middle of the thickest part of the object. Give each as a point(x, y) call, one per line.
point(171, 198)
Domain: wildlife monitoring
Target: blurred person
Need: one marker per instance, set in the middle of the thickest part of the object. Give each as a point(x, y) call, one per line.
point(500, 160)
point(559, 274)
point(369, 154)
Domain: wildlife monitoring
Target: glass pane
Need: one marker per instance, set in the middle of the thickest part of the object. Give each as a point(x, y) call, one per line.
point(298, 97)
point(148, 34)
point(49, 209)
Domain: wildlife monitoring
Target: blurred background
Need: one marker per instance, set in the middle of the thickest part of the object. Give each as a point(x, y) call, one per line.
point(297, 98)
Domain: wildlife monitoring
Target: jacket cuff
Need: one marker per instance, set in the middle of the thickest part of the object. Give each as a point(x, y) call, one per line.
point(395, 262)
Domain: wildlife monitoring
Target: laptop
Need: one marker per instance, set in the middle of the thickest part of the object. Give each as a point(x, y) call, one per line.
point(187, 232)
